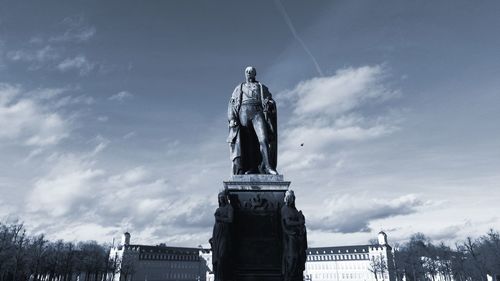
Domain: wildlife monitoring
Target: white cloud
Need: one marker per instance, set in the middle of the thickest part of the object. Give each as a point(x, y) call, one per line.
point(66, 189)
point(79, 34)
point(129, 135)
point(101, 144)
point(329, 110)
point(45, 54)
point(28, 120)
point(78, 63)
point(6, 210)
point(77, 30)
point(77, 192)
point(348, 214)
point(48, 56)
point(323, 136)
point(121, 96)
point(346, 90)
point(78, 231)
point(73, 100)
point(35, 58)
point(50, 131)
point(102, 118)
point(46, 94)
point(71, 186)
point(132, 176)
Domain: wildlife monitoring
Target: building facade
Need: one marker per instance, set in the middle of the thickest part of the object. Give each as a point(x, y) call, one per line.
point(351, 263)
point(132, 262)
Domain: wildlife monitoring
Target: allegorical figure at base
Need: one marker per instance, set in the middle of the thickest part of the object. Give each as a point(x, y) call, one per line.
point(294, 239)
point(253, 134)
point(221, 239)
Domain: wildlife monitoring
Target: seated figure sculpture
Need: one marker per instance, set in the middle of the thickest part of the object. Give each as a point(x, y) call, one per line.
point(253, 132)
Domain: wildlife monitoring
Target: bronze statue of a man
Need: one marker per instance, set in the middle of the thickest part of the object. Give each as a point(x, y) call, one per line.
point(294, 239)
point(253, 132)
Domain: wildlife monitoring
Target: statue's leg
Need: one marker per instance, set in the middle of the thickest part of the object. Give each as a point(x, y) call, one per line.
point(259, 125)
point(244, 116)
point(243, 159)
point(237, 169)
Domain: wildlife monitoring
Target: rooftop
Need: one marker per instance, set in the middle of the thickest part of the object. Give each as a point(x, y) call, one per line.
point(164, 249)
point(338, 250)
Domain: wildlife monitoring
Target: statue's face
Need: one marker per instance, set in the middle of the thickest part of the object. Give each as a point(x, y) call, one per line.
point(289, 199)
point(222, 200)
point(250, 73)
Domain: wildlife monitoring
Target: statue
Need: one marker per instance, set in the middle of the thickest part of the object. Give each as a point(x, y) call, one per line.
point(294, 239)
point(253, 134)
point(221, 239)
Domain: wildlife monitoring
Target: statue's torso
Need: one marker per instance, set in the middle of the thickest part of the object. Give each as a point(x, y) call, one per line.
point(250, 93)
point(292, 214)
point(222, 212)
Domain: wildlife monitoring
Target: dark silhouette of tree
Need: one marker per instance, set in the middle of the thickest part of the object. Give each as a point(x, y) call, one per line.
point(34, 258)
point(470, 260)
point(127, 268)
point(378, 266)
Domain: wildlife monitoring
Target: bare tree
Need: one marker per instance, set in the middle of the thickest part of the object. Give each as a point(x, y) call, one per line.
point(127, 267)
point(378, 266)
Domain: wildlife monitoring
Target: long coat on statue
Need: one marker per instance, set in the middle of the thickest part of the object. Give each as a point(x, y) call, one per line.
point(243, 140)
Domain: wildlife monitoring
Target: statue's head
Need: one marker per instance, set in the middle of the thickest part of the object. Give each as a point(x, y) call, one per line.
point(290, 197)
point(250, 73)
point(222, 198)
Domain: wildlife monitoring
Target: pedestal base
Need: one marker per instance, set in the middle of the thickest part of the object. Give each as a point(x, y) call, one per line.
point(257, 231)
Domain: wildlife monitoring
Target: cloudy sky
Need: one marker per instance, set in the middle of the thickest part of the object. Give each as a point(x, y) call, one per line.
point(112, 115)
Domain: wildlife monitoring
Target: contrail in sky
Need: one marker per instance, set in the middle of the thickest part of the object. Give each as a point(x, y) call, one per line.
point(297, 37)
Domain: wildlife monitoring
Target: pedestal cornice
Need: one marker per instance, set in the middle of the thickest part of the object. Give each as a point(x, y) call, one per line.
point(256, 182)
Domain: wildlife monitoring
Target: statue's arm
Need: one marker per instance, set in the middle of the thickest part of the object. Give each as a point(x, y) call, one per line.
point(292, 222)
point(267, 95)
point(289, 220)
point(270, 104)
point(232, 114)
point(227, 217)
point(302, 219)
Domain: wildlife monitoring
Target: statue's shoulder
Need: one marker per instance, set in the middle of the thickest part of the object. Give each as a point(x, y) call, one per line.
point(265, 90)
point(237, 90)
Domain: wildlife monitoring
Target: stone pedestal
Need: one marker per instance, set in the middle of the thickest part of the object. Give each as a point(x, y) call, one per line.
point(257, 232)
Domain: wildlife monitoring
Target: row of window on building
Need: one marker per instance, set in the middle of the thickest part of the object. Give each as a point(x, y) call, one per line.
point(337, 266)
point(341, 276)
point(170, 265)
point(168, 257)
point(176, 275)
point(337, 257)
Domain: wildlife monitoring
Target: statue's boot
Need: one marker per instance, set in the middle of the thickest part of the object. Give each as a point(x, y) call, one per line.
point(237, 169)
point(250, 172)
point(271, 171)
point(267, 166)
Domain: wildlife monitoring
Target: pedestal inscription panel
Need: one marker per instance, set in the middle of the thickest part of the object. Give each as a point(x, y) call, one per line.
point(257, 233)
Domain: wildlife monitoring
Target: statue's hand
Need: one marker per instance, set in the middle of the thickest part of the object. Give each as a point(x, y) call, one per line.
point(233, 123)
point(268, 105)
point(301, 216)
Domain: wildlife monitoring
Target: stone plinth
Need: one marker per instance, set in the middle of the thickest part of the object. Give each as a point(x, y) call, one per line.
point(256, 183)
point(257, 232)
